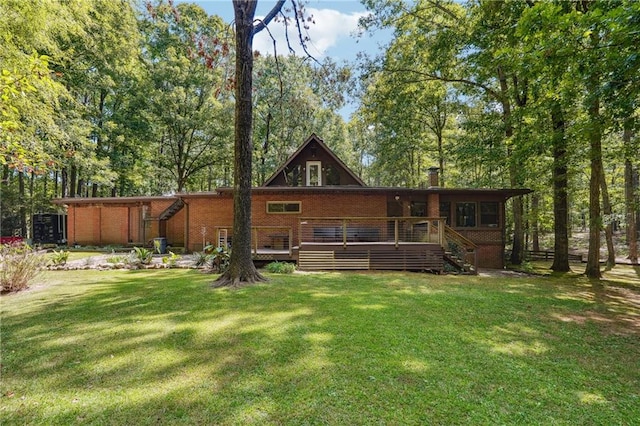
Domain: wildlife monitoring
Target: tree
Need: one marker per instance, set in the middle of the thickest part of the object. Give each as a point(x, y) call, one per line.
point(241, 268)
point(186, 55)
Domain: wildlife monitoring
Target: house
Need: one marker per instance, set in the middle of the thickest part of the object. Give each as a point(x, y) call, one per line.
point(316, 211)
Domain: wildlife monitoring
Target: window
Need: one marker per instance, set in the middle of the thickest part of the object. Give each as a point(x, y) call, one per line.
point(284, 207)
point(465, 214)
point(418, 208)
point(445, 211)
point(489, 215)
point(293, 175)
point(332, 175)
point(314, 173)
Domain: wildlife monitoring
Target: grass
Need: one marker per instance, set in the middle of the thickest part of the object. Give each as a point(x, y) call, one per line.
point(161, 347)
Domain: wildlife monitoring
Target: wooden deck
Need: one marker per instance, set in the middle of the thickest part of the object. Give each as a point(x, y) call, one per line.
point(412, 256)
point(406, 244)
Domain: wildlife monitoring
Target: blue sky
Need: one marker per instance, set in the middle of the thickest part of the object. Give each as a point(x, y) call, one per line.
point(334, 33)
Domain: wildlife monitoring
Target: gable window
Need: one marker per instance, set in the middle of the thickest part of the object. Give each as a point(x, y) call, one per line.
point(314, 173)
point(333, 175)
point(465, 214)
point(284, 207)
point(293, 175)
point(489, 215)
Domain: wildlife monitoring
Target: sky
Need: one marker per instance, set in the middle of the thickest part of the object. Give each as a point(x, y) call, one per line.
point(333, 34)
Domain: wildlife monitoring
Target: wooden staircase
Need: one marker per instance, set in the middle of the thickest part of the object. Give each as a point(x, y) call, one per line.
point(170, 211)
point(460, 253)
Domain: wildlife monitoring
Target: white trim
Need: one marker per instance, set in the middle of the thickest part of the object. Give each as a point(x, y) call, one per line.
point(310, 165)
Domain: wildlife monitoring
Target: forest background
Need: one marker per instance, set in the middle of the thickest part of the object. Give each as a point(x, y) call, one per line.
point(103, 98)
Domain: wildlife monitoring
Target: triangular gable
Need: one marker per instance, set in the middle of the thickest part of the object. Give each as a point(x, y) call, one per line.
point(320, 150)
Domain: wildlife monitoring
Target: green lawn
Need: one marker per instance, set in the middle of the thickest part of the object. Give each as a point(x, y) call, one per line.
point(161, 347)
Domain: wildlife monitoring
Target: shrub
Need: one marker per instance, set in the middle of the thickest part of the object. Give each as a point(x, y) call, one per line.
point(215, 258)
point(19, 265)
point(200, 258)
point(140, 256)
point(281, 267)
point(220, 259)
point(170, 260)
point(116, 258)
point(59, 258)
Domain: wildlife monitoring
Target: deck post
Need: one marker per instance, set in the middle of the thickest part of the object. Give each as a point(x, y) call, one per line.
point(290, 242)
point(344, 233)
point(255, 238)
point(396, 237)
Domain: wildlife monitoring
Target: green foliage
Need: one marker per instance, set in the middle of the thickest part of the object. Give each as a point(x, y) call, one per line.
point(200, 259)
point(170, 260)
point(281, 267)
point(141, 255)
point(114, 258)
point(59, 258)
point(218, 258)
point(19, 266)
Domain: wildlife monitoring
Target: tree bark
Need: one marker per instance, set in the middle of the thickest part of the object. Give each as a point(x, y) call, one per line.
point(241, 268)
point(535, 223)
point(560, 185)
point(608, 229)
point(629, 194)
point(517, 204)
point(595, 156)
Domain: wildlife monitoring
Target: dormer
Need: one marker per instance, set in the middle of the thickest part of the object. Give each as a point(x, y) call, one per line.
point(314, 164)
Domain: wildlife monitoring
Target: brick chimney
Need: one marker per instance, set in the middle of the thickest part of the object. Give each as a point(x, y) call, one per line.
point(433, 176)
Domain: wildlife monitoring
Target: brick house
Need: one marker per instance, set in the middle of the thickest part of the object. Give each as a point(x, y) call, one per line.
point(316, 211)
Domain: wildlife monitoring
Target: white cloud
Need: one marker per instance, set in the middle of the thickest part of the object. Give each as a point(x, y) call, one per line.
point(330, 27)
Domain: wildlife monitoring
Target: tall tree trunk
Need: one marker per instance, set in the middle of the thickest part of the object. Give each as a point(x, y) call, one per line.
point(595, 156)
point(517, 206)
point(22, 211)
point(629, 195)
point(241, 268)
point(72, 181)
point(64, 182)
point(535, 223)
point(560, 185)
point(608, 229)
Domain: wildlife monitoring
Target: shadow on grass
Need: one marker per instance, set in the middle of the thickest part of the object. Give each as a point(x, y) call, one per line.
point(161, 347)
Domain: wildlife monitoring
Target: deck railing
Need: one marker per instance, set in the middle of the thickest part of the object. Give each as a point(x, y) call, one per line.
point(354, 230)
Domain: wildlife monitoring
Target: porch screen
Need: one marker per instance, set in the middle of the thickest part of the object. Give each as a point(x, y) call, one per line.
point(489, 214)
point(466, 214)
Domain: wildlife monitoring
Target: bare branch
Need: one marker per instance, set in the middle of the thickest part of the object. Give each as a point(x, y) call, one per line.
point(262, 24)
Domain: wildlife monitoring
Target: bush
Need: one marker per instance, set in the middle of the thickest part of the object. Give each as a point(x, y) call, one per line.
point(19, 265)
point(59, 258)
point(281, 267)
point(200, 258)
point(170, 260)
point(215, 258)
point(140, 256)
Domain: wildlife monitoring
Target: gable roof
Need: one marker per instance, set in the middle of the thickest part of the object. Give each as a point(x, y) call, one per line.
point(320, 143)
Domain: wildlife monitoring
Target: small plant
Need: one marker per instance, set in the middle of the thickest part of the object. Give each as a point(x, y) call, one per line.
point(59, 258)
point(217, 258)
point(19, 265)
point(141, 255)
point(281, 267)
point(200, 258)
point(170, 260)
point(220, 259)
point(115, 258)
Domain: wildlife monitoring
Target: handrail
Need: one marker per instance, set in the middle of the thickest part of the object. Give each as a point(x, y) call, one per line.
point(468, 245)
point(458, 237)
